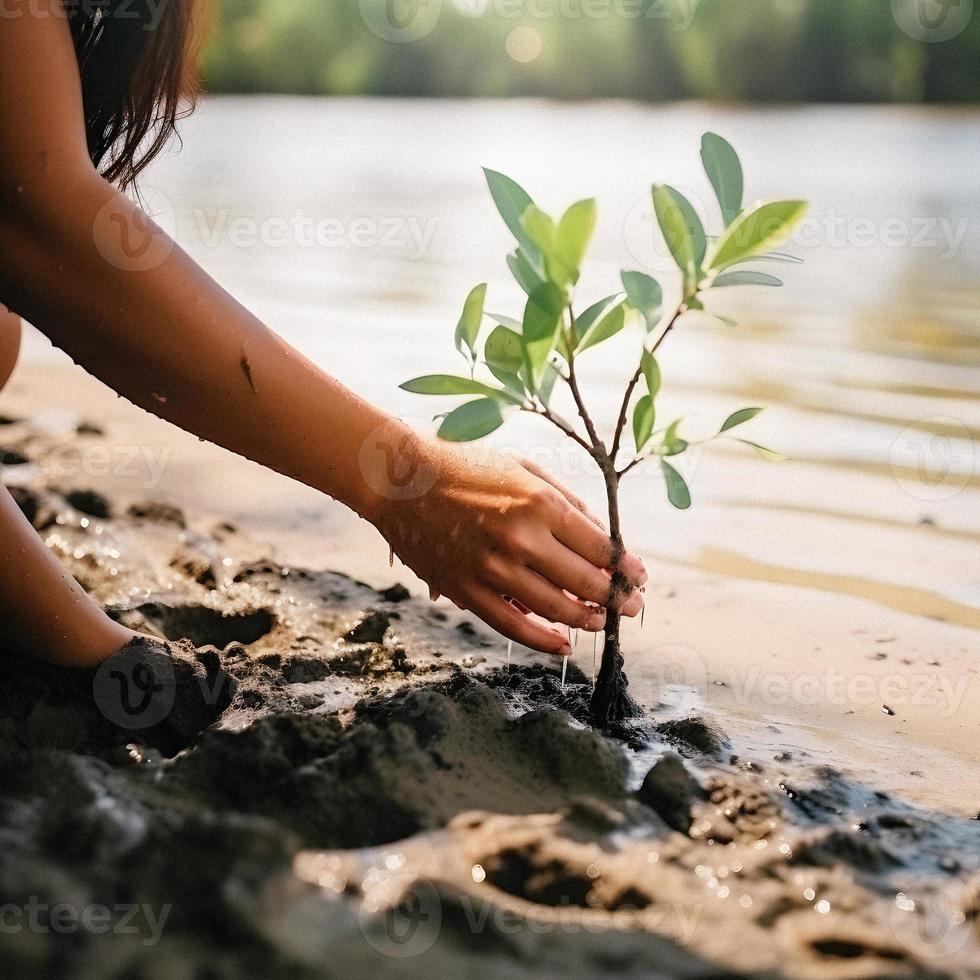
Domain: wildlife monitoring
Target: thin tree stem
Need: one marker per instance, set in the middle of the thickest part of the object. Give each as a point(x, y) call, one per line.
point(598, 445)
point(636, 462)
point(635, 380)
point(567, 429)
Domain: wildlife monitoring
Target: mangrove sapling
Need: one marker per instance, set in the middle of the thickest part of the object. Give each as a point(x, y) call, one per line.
point(528, 358)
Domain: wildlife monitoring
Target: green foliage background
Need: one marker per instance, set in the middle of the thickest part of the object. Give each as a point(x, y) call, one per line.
point(732, 50)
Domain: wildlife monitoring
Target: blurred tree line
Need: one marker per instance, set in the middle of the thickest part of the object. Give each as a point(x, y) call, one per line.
point(723, 50)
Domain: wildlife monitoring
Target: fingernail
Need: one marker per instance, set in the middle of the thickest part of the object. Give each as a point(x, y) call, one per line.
point(565, 650)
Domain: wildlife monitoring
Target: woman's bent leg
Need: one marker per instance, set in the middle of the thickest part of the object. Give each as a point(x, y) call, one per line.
point(44, 612)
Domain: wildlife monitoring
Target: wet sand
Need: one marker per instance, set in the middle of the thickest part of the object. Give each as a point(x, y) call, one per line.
point(367, 786)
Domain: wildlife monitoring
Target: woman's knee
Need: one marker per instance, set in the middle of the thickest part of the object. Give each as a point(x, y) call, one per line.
point(9, 343)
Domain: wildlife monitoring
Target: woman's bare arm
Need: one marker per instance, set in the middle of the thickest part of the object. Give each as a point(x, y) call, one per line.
point(82, 263)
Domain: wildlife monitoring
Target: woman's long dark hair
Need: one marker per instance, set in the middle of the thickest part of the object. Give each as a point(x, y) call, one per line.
point(135, 59)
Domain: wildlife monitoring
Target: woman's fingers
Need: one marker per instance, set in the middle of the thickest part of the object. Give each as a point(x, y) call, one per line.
point(515, 625)
point(576, 531)
point(540, 596)
point(571, 572)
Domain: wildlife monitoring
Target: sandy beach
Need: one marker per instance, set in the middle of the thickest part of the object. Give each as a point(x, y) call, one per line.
point(371, 787)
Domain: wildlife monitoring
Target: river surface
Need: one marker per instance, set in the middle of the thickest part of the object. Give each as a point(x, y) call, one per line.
point(355, 228)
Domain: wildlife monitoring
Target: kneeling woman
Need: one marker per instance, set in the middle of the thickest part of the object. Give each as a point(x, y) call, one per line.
point(89, 93)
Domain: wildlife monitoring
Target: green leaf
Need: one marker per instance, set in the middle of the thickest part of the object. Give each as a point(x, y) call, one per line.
point(738, 418)
point(541, 228)
point(673, 444)
point(724, 170)
point(769, 454)
point(643, 418)
point(504, 354)
point(468, 327)
point(512, 201)
point(651, 372)
point(448, 384)
point(548, 382)
point(745, 278)
point(471, 421)
point(505, 321)
point(677, 491)
point(574, 234)
point(757, 231)
point(542, 319)
point(682, 230)
point(599, 322)
point(522, 270)
point(645, 296)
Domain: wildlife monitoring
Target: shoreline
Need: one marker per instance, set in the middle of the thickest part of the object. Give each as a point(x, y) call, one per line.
point(365, 758)
point(761, 646)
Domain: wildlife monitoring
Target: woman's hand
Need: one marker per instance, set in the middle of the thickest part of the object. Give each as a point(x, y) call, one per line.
point(502, 541)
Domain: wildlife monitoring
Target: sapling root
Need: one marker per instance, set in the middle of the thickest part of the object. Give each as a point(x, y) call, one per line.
point(611, 700)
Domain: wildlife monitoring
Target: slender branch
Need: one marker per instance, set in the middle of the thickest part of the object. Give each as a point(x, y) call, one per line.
point(636, 462)
point(635, 380)
point(598, 445)
point(567, 429)
point(621, 421)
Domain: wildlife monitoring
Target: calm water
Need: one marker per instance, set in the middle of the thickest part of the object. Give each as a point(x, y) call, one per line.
point(355, 228)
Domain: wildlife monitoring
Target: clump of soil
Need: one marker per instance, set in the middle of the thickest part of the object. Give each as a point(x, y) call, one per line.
point(91, 503)
point(370, 628)
point(670, 790)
